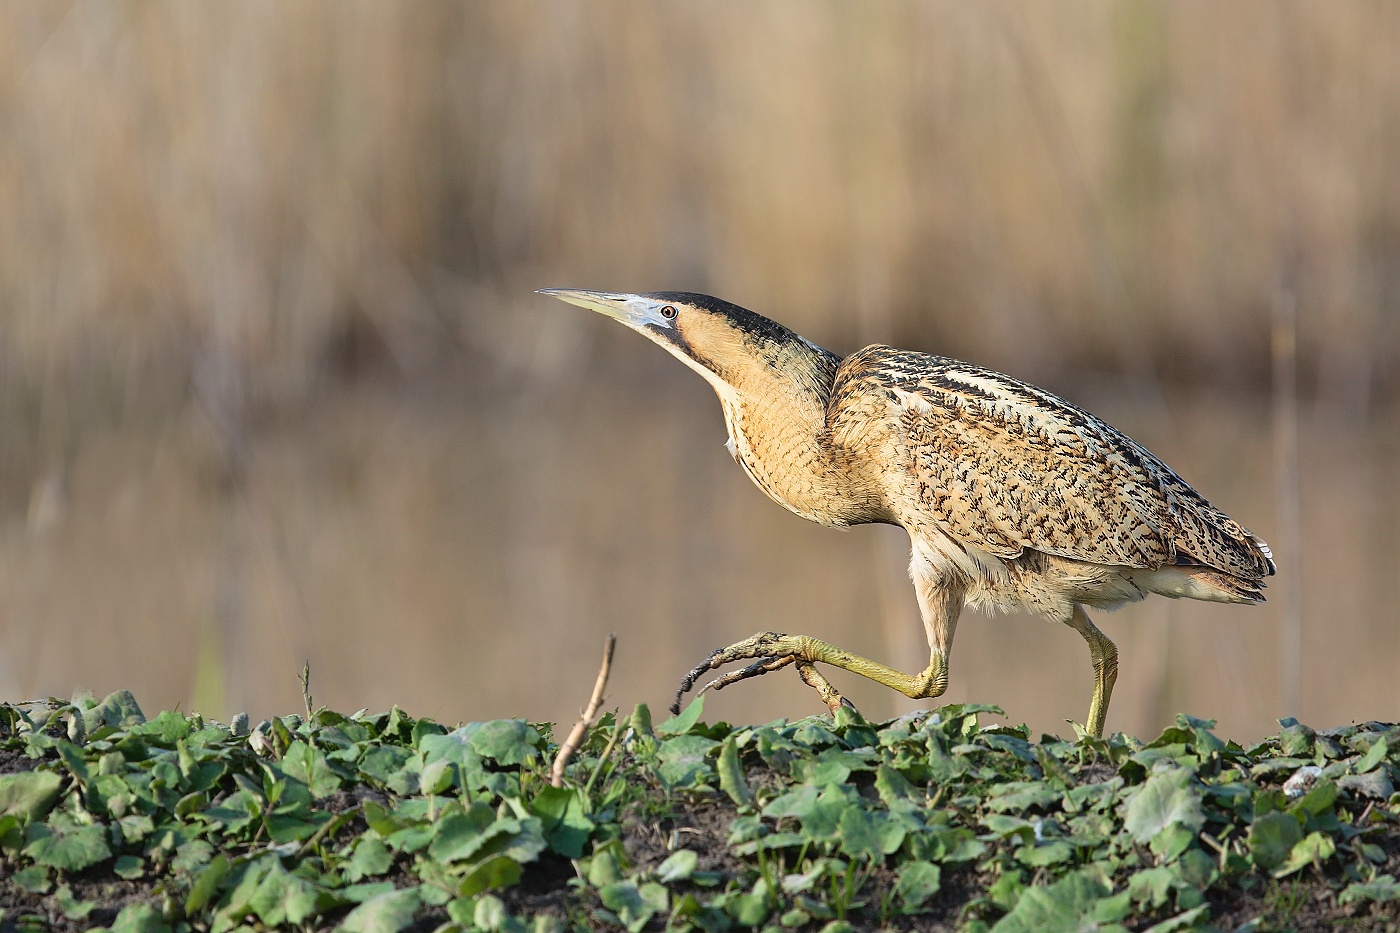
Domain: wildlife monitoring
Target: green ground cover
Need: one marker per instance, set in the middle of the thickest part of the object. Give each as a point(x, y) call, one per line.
point(386, 822)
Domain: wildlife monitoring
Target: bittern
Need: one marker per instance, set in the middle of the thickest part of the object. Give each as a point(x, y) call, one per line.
point(1014, 499)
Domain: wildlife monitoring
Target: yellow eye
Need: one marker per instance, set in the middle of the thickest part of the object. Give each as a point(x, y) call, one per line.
point(668, 312)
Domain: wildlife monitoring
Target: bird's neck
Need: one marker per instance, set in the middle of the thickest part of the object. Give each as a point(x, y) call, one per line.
point(776, 416)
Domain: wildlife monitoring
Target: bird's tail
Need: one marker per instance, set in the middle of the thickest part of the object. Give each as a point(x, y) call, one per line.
point(1196, 582)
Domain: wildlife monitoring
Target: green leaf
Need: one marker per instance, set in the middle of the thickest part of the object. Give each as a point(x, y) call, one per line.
point(478, 831)
point(119, 710)
point(641, 721)
point(384, 913)
point(1044, 854)
point(1168, 798)
point(820, 813)
point(633, 904)
point(29, 794)
point(1382, 889)
point(1375, 784)
point(917, 882)
point(129, 867)
point(1272, 838)
point(384, 762)
point(508, 741)
point(1296, 740)
point(868, 834)
point(683, 723)
point(72, 908)
point(206, 885)
point(731, 774)
point(563, 816)
point(284, 898)
point(499, 871)
point(308, 764)
point(684, 760)
point(1315, 848)
point(1068, 906)
point(34, 879)
point(1019, 796)
point(70, 850)
point(370, 857)
point(139, 918)
point(1373, 757)
point(679, 866)
point(1317, 801)
point(1186, 920)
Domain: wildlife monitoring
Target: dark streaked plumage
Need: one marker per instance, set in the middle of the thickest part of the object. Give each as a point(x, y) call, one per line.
point(1013, 498)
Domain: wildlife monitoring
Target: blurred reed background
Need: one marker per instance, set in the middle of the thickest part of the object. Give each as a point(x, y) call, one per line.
point(274, 385)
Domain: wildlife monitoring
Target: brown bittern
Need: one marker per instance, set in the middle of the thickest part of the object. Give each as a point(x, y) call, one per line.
point(1014, 499)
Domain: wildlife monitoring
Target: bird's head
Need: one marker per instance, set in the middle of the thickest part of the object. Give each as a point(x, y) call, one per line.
point(730, 346)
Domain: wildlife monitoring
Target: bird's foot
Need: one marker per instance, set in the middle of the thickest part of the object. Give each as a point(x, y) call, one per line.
point(814, 679)
point(774, 652)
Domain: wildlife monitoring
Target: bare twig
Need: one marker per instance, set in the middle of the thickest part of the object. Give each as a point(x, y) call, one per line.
point(576, 735)
point(306, 688)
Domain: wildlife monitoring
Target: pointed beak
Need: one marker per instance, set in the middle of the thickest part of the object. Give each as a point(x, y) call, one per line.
point(635, 311)
point(613, 304)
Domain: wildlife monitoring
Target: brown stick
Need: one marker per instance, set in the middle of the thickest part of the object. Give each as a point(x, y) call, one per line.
point(580, 729)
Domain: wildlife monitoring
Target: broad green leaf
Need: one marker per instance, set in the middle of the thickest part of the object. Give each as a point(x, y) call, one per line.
point(1272, 838)
point(684, 760)
point(34, 879)
point(1373, 757)
point(29, 794)
point(1168, 798)
point(119, 710)
point(72, 908)
point(461, 835)
point(1296, 741)
point(1070, 905)
point(679, 866)
point(820, 813)
point(563, 816)
point(641, 721)
point(1313, 848)
point(165, 730)
point(384, 762)
point(507, 741)
point(1152, 886)
point(1317, 801)
point(385, 913)
point(499, 871)
point(917, 882)
point(1186, 920)
point(139, 918)
point(894, 788)
point(868, 834)
point(1044, 854)
point(284, 898)
point(685, 721)
point(308, 764)
point(371, 857)
point(731, 774)
point(71, 850)
point(1375, 784)
point(1019, 796)
point(206, 885)
point(1382, 889)
point(633, 904)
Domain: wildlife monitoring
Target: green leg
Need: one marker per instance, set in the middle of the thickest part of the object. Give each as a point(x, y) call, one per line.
point(1104, 655)
point(768, 647)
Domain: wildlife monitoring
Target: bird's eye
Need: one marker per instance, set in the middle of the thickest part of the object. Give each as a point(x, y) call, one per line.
point(668, 312)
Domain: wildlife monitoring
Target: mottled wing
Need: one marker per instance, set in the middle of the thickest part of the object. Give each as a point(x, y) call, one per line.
point(1005, 466)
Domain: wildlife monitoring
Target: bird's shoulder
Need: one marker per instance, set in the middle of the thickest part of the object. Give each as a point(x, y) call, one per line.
point(1007, 466)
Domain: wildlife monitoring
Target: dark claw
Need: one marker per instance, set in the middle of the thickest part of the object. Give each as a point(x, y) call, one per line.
point(689, 680)
point(757, 669)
